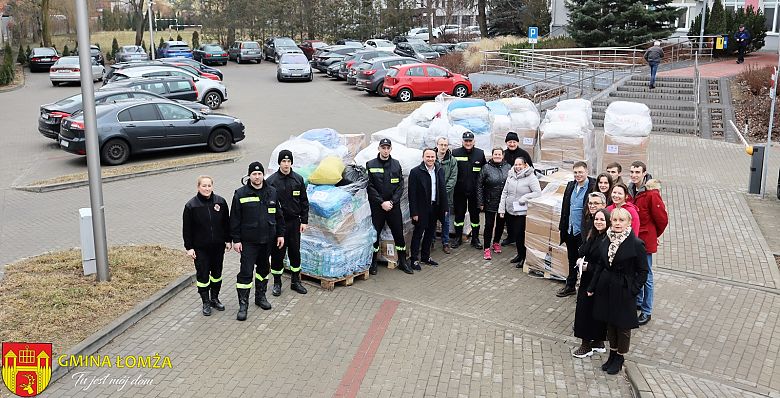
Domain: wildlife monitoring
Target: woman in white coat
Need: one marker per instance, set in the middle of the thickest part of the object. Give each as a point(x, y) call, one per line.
point(521, 185)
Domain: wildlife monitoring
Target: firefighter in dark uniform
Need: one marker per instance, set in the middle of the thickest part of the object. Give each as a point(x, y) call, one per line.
point(256, 223)
point(206, 232)
point(470, 162)
point(295, 207)
point(385, 188)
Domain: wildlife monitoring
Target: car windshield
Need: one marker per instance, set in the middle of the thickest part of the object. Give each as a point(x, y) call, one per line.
point(250, 44)
point(294, 59)
point(421, 47)
point(285, 42)
point(212, 48)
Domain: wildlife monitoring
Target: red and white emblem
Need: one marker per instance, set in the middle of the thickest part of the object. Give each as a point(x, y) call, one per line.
point(216, 207)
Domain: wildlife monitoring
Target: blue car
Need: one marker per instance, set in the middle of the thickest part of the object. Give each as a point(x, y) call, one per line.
point(174, 49)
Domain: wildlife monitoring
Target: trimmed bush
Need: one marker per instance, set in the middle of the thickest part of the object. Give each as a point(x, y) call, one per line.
point(65, 51)
point(195, 39)
point(20, 58)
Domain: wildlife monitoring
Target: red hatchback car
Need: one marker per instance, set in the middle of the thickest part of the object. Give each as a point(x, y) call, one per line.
point(404, 82)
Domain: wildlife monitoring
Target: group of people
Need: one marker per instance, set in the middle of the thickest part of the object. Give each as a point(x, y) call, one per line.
point(611, 232)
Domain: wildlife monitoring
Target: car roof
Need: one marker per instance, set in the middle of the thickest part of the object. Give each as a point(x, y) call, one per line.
point(384, 59)
point(136, 79)
point(176, 43)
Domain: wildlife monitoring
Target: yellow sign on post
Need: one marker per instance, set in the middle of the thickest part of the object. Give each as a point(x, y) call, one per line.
point(719, 43)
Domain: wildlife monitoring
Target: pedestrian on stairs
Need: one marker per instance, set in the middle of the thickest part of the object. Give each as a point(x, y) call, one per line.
point(206, 232)
point(653, 56)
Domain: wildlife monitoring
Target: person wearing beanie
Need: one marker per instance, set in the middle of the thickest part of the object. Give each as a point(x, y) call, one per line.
point(470, 162)
point(291, 190)
point(512, 152)
point(256, 225)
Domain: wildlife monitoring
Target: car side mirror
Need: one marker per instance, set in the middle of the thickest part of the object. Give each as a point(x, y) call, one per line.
point(198, 116)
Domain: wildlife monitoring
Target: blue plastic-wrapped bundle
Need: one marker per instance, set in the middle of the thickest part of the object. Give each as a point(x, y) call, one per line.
point(326, 200)
point(325, 136)
point(475, 125)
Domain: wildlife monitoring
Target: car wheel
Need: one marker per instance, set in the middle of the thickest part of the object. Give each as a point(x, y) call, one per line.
point(220, 140)
point(54, 84)
point(212, 99)
point(405, 95)
point(115, 152)
point(311, 76)
point(460, 91)
point(378, 89)
point(278, 77)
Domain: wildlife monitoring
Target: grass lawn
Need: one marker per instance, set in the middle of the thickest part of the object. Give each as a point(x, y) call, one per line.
point(123, 37)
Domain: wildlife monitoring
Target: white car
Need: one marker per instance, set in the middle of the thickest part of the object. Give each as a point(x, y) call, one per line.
point(422, 33)
point(67, 69)
point(211, 93)
point(472, 30)
point(380, 44)
point(450, 29)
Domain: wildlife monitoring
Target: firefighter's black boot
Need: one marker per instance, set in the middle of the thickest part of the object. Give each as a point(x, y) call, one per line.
point(372, 267)
point(276, 290)
point(475, 243)
point(215, 303)
point(403, 264)
point(243, 303)
point(204, 296)
point(296, 284)
point(458, 238)
point(260, 300)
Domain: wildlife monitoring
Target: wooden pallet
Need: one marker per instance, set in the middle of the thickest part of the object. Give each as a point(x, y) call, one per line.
point(540, 274)
point(330, 283)
point(390, 264)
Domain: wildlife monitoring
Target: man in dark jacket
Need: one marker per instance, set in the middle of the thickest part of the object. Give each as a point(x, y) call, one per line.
point(512, 152)
point(743, 39)
point(385, 188)
point(575, 200)
point(295, 208)
point(470, 162)
point(450, 165)
point(427, 203)
point(653, 56)
point(256, 223)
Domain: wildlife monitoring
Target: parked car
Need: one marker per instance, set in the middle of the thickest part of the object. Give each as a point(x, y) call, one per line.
point(333, 69)
point(201, 67)
point(443, 48)
point(472, 31)
point(370, 75)
point(347, 71)
point(326, 56)
point(210, 92)
point(131, 53)
point(185, 64)
point(42, 58)
point(405, 82)
point(422, 33)
point(171, 87)
point(350, 43)
point(452, 30)
point(210, 54)
point(94, 53)
point(293, 66)
point(310, 46)
point(192, 69)
point(379, 44)
point(241, 51)
point(174, 48)
point(127, 128)
point(462, 46)
point(276, 46)
point(51, 115)
point(420, 51)
point(67, 69)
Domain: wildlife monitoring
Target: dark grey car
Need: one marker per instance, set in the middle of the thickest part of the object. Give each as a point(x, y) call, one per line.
point(276, 46)
point(327, 56)
point(419, 50)
point(129, 127)
point(371, 74)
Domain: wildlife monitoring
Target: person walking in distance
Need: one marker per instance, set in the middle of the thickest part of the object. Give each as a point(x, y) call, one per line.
point(206, 232)
point(256, 224)
point(615, 284)
point(512, 152)
point(592, 332)
point(489, 188)
point(521, 185)
point(653, 56)
point(427, 204)
point(653, 220)
point(291, 190)
point(575, 200)
point(385, 188)
point(470, 162)
point(450, 165)
point(742, 37)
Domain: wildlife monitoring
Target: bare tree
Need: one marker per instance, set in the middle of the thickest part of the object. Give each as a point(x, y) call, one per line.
point(45, 23)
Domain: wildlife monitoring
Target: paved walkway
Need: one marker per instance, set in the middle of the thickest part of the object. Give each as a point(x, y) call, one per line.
point(726, 68)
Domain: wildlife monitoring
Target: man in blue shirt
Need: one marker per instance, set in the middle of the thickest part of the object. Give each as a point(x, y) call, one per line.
point(572, 212)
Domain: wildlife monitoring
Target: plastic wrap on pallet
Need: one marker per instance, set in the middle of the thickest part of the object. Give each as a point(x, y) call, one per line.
point(325, 136)
point(340, 236)
point(408, 157)
point(502, 124)
point(465, 103)
point(542, 236)
point(623, 150)
point(577, 104)
point(627, 119)
point(392, 134)
point(497, 108)
point(517, 104)
point(306, 153)
point(354, 144)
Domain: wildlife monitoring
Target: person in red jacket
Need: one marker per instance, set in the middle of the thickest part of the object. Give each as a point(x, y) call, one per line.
point(653, 220)
point(620, 200)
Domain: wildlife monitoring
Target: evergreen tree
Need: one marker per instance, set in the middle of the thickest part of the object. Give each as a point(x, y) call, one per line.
point(716, 20)
point(20, 58)
point(65, 51)
point(114, 48)
point(513, 17)
point(179, 38)
point(606, 23)
point(195, 39)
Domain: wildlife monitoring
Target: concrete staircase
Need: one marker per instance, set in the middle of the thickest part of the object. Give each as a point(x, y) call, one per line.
point(671, 103)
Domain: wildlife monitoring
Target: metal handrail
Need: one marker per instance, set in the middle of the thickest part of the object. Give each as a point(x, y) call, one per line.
point(696, 92)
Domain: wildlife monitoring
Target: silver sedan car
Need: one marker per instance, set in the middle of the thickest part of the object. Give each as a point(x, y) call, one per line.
point(293, 66)
point(67, 69)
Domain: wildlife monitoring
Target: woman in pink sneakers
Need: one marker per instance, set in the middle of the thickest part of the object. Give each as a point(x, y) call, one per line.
point(521, 185)
point(489, 188)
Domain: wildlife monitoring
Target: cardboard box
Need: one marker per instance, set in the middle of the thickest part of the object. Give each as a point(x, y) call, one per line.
point(623, 150)
point(563, 151)
point(354, 143)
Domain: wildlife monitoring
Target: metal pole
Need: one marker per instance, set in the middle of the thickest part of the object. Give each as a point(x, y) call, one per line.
point(703, 18)
point(769, 133)
point(151, 30)
point(93, 149)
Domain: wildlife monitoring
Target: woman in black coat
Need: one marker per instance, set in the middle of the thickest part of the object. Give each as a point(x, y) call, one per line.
point(492, 178)
point(206, 233)
point(616, 284)
point(592, 332)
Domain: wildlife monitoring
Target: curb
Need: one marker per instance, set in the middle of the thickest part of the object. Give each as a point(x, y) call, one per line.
point(17, 87)
point(84, 183)
point(97, 340)
point(639, 386)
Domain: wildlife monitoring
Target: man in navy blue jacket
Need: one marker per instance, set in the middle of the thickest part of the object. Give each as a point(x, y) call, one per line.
point(427, 203)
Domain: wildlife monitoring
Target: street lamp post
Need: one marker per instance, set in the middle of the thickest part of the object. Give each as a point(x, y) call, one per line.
point(92, 147)
point(151, 30)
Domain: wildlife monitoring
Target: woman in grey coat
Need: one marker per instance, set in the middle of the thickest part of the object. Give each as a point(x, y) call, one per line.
point(521, 185)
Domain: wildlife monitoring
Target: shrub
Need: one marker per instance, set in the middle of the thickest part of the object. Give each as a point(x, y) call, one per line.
point(558, 42)
point(65, 51)
point(195, 39)
point(455, 63)
point(179, 38)
point(7, 68)
point(20, 58)
point(114, 48)
point(756, 78)
point(28, 52)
